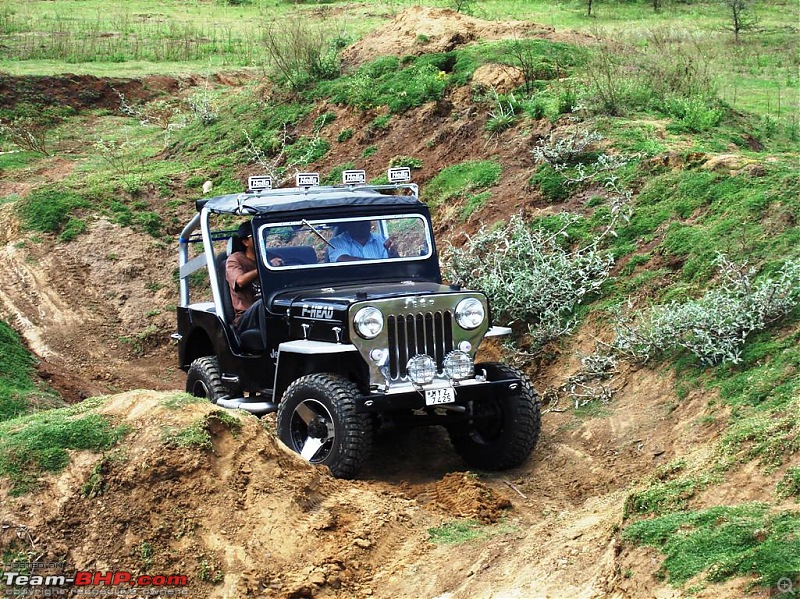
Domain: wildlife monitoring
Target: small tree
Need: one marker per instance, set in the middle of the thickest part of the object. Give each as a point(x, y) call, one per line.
point(522, 54)
point(300, 52)
point(741, 15)
point(27, 133)
point(463, 6)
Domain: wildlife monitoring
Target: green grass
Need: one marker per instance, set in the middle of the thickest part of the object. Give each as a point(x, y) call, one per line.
point(198, 434)
point(456, 532)
point(179, 400)
point(387, 81)
point(474, 203)
point(35, 444)
point(553, 185)
point(460, 179)
point(334, 176)
point(49, 210)
point(722, 542)
point(702, 213)
point(664, 497)
point(123, 39)
point(15, 159)
point(16, 374)
point(789, 485)
point(765, 404)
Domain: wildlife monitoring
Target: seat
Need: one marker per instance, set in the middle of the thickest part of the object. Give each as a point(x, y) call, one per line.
point(225, 290)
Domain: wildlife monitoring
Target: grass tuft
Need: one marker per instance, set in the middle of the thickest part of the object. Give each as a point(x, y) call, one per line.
point(35, 444)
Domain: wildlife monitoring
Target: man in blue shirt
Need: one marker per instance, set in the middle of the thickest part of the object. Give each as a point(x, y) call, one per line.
point(357, 242)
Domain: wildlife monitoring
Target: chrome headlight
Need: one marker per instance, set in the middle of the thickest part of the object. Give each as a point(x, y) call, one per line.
point(458, 365)
point(368, 322)
point(470, 313)
point(421, 369)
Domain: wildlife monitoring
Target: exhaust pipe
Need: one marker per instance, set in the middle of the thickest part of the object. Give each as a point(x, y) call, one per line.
point(258, 408)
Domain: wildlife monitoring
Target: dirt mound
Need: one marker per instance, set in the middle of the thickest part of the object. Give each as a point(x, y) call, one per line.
point(422, 30)
point(232, 509)
point(462, 495)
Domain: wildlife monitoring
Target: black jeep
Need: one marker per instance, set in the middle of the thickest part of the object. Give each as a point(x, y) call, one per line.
point(347, 342)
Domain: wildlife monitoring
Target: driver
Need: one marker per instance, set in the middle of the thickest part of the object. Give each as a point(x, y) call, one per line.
point(356, 241)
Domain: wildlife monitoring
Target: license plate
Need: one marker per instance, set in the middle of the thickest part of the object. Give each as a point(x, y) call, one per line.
point(435, 397)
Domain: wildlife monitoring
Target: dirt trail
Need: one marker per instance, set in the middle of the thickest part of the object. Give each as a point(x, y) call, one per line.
point(92, 309)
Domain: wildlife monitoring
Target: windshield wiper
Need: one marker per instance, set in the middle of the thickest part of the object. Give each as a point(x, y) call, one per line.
point(305, 223)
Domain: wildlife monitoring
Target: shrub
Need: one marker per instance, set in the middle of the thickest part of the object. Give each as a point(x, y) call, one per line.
point(380, 123)
point(693, 115)
point(306, 150)
point(536, 107)
point(405, 161)
point(27, 133)
point(565, 149)
point(504, 114)
point(673, 63)
point(204, 108)
point(529, 275)
point(715, 327)
point(326, 118)
point(344, 135)
point(553, 185)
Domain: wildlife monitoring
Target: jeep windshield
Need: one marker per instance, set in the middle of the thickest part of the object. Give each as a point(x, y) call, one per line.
point(332, 243)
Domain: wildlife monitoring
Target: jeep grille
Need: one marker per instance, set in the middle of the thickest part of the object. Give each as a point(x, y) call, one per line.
point(428, 333)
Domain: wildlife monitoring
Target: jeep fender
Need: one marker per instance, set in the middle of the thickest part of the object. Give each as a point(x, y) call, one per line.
point(302, 357)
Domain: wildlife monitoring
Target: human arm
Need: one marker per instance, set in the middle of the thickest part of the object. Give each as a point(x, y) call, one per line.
point(239, 273)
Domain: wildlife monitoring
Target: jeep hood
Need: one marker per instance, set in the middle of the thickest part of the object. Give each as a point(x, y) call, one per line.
point(341, 297)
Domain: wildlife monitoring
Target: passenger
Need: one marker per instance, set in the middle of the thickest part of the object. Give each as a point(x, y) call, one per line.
point(356, 241)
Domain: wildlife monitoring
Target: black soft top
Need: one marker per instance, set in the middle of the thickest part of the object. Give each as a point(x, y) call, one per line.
point(294, 199)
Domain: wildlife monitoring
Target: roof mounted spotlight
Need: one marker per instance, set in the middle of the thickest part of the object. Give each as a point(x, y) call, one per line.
point(354, 177)
point(399, 174)
point(307, 180)
point(259, 183)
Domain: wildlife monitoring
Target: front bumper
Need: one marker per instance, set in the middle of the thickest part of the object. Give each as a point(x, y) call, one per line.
point(414, 399)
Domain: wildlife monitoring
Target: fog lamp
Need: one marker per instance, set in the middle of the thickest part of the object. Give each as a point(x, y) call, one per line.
point(458, 365)
point(421, 369)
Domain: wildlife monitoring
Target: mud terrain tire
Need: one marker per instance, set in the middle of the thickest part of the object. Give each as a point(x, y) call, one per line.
point(505, 429)
point(317, 418)
point(204, 379)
